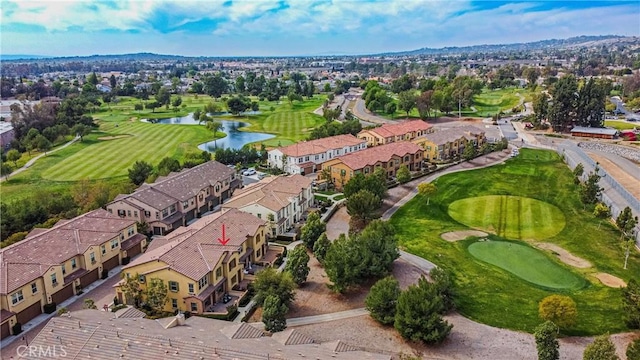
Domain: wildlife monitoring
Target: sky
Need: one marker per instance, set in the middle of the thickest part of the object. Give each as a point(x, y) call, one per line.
point(296, 27)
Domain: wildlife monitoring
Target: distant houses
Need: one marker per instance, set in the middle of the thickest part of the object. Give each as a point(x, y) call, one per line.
point(445, 145)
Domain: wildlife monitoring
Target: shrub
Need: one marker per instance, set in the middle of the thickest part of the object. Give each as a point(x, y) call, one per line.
point(115, 308)
point(561, 310)
point(49, 308)
point(381, 300)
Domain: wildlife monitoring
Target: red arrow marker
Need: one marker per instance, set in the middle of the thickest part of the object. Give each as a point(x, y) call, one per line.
point(224, 240)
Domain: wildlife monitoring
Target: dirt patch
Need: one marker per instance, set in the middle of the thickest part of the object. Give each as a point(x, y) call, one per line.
point(565, 256)
point(462, 234)
point(133, 118)
point(610, 280)
point(113, 137)
point(626, 179)
point(338, 224)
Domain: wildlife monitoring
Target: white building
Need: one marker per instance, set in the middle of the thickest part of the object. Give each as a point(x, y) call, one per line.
point(305, 157)
point(281, 200)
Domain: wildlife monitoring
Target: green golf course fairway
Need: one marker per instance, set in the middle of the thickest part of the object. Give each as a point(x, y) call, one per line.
point(512, 217)
point(526, 263)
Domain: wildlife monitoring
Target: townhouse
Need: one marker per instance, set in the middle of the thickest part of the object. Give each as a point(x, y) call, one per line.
point(388, 157)
point(282, 200)
point(51, 265)
point(445, 145)
point(178, 198)
point(389, 133)
point(201, 262)
point(306, 157)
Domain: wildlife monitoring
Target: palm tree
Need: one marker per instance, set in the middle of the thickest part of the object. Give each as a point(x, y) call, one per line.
point(215, 127)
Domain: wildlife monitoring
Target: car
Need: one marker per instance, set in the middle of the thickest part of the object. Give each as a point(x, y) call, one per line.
point(249, 172)
point(261, 176)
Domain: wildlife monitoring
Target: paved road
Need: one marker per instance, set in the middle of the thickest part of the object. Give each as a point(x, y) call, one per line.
point(621, 109)
point(362, 113)
point(32, 161)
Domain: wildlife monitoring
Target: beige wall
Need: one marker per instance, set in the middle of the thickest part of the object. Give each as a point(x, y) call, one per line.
point(29, 297)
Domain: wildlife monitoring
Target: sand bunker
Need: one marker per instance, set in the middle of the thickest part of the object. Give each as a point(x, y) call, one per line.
point(113, 137)
point(610, 280)
point(565, 256)
point(462, 234)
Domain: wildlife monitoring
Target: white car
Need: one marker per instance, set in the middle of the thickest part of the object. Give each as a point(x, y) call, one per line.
point(249, 172)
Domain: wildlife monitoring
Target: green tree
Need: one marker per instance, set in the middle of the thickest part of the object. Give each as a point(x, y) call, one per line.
point(176, 102)
point(424, 103)
point(381, 300)
point(541, 107)
point(376, 183)
point(298, 264)
point(327, 87)
point(214, 127)
point(602, 211)
point(631, 304)
point(138, 107)
point(5, 170)
point(321, 247)
point(390, 108)
point(633, 350)
point(626, 222)
point(155, 295)
point(559, 309)
point(427, 189)
point(14, 155)
point(92, 79)
point(546, 342)
point(132, 290)
point(578, 171)
point(600, 349)
point(407, 101)
point(469, 151)
point(163, 97)
point(271, 282)
point(363, 207)
point(237, 105)
point(80, 130)
point(590, 190)
point(343, 264)
point(312, 229)
point(140, 172)
point(378, 248)
point(113, 82)
point(418, 314)
point(565, 98)
point(89, 304)
point(43, 144)
point(403, 175)
point(168, 165)
point(273, 314)
point(444, 285)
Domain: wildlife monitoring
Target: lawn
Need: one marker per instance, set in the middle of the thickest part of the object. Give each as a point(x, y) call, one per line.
point(490, 294)
point(490, 102)
point(620, 125)
point(526, 263)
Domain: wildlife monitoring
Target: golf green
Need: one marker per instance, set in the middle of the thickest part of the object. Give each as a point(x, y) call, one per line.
point(512, 217)
point(526, 263)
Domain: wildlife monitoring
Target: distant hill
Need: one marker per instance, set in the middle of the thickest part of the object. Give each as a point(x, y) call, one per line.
point(4, 57)
point(578, 41)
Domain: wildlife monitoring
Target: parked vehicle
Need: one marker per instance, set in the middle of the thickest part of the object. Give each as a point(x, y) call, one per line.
point(249, 172)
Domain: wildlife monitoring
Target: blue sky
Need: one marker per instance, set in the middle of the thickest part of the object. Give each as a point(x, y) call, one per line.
point(296, 27)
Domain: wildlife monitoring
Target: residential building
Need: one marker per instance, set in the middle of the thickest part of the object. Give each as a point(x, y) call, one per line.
point(201, 262)
point(178, 198)
point(100, 335)
point(445, 145)
point(305, 157)
point(282, 200)
point(7, 134)
point(388, 157)
point(389, 133)
point(51, 265)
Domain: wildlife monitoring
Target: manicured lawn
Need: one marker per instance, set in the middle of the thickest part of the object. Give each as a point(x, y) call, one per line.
point(490, 102)
point(490, 294)
point(526, 263)
point(512, 217)
point(620, 125)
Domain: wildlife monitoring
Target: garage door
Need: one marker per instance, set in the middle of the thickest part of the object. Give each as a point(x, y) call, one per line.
point(29, 313)
point(111, 263)
point(137, 249)
point(4, 330)
point(62, 295)
point(88, 278)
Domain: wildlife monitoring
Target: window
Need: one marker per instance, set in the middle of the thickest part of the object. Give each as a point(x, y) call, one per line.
point(203, 282)
point(173, 286)
point(73, 264)
point(16, 297)
point(259, 216)
point(258, 253)
point(174, 303)
point(54, 279)
point(233, 280)
point(218, 273)
point(147, 213)
point(157, 215)
point(103, 249)
point(194, 307)
point(121, 213)
point(135, 213)
point(142, 279)
point(172, 208)
point(110, 211)
point(129, 213)
point(185, 204)
point(92, 257)
point(200, 197)
point(191, 290)
point(130, 231)
point(217, 188)
point(232, 264)
point(165, 213)
point(114, 243)
point(64, 269)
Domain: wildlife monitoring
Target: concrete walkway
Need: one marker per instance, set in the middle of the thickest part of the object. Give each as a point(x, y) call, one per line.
point(32, 161)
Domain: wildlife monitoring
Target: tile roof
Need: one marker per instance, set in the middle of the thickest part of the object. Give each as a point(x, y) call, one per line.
point(4, 314)
point(28, 259)
point(397, 129)
point(271, 192)
point(593, 130)
point(194, 251)
point(99, 335)
point(383, 153)
point(448, 135)
point(318, 146)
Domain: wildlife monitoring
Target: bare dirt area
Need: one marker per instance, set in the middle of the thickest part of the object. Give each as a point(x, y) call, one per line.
point(565, 256)
point(468, 340)
point(462, 234)
point(610, 280)
point(338, 224)
point(629, 181)
point(113, 137)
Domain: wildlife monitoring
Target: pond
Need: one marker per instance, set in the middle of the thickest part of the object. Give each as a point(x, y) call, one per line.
point(235, 138)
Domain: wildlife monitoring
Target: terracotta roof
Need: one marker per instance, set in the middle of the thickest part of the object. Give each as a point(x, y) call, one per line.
point(194, 251)
point(398, 129)
point(272, 192)
point(319, 146)
point(4, 314)
point(448, 135)
point(132, 241)
point(99, 335)
point(28, 259)
point(130, 313)
point(382, 153)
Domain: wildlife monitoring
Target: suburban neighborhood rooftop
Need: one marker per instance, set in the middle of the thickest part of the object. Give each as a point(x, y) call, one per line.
point(320, 145)
point(382, 153)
